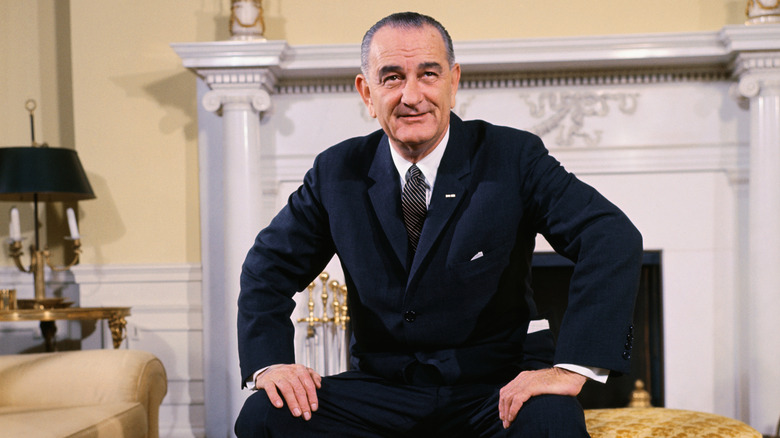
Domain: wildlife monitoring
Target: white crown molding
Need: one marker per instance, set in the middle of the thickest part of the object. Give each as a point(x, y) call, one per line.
point(763, 37)
point(591, 52)
point(641, 51)
point(236, 54)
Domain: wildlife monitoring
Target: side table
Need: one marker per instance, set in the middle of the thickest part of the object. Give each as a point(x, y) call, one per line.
point(47, 317)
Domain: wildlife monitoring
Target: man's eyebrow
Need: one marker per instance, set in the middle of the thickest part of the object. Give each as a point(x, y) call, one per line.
point(389, 69)
point(397, 68)
point(430, 66)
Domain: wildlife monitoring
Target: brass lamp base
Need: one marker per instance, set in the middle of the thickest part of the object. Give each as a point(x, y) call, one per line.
point(38, 260)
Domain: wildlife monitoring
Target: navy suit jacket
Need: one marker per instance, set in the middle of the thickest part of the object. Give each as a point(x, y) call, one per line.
point(462, 303)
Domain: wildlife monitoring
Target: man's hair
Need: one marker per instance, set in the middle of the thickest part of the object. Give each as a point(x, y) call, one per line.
point(405, 20)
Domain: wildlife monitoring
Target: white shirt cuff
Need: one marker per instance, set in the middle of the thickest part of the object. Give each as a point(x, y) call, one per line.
point(250, 383)
point(593, 373)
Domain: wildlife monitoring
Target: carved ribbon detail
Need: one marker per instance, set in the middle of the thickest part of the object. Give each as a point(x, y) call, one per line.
point(565, 112)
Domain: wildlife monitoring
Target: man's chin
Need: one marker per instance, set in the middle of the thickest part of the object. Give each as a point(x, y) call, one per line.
point(415, 135)
point(416, 147)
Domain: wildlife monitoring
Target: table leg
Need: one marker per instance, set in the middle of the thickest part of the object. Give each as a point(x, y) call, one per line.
point(117, 325)
point(49, 331)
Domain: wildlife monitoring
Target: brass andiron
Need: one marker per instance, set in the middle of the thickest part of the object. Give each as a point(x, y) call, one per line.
point(311, 319)
point(326, 342)
point(332, 292)
point(640, 398)
point(341, 310)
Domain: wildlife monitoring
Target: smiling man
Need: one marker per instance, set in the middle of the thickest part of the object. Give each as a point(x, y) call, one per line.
point(409, 84)
point(434, 221)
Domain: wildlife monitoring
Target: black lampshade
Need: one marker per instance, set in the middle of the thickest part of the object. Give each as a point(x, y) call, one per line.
point(54, 174)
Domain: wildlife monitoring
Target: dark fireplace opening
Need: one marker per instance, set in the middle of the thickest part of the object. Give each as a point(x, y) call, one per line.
point(551, 275)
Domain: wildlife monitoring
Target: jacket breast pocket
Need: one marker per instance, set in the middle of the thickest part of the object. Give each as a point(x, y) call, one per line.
point(482, 264)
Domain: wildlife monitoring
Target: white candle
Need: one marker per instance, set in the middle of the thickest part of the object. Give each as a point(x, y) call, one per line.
point(15, 231)
point(74, 228)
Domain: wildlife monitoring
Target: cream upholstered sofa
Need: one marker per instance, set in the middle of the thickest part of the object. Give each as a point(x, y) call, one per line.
point(95, 393)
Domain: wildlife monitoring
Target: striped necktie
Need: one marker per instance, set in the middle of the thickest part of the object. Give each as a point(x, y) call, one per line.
point(413, 205)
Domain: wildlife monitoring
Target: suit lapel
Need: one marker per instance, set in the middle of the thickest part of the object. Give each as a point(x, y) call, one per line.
point(385, 195)
point(449, 189)
point(448, 193)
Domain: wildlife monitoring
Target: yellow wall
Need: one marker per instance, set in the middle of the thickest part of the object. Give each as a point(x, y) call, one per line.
point(322, 21)
point(108, 84)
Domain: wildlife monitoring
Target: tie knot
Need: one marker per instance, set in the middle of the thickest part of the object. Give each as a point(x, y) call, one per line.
point(414, 173)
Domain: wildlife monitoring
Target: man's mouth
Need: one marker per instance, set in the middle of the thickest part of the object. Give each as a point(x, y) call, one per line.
point(412, 116)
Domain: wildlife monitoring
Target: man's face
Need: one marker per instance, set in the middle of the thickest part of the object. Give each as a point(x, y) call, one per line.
point(410, 87)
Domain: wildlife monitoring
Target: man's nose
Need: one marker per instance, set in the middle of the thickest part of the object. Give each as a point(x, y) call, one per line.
point(412, 94)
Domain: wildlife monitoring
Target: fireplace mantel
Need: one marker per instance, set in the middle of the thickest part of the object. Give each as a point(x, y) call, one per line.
point(705, 113)
point(713, 50)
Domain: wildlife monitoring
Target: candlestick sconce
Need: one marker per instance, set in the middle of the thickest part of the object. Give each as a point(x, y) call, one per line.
point(37, 174)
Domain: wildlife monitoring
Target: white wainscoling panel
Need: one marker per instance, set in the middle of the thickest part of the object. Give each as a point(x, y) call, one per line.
point(166, 320)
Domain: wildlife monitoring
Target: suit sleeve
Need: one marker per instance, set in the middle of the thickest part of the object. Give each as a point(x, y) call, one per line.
point(286, 256)
point(606, 247)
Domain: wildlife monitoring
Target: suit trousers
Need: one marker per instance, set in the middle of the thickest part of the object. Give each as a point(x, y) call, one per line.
point(356, 404)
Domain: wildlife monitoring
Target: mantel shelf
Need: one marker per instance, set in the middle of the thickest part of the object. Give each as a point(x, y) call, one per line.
point(679, 50)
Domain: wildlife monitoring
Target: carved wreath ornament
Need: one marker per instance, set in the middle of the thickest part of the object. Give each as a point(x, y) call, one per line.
point(565, 113)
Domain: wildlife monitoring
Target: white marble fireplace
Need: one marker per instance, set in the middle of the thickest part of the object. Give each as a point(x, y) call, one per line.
point(682, 131)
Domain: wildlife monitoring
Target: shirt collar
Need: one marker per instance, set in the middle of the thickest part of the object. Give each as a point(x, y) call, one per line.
point(429, 165)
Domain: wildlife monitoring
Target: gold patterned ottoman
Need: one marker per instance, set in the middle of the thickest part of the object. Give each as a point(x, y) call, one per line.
point(661, 423)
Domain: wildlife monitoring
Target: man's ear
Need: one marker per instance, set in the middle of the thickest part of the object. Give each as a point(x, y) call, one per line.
point(455, 77)
point(361, 84)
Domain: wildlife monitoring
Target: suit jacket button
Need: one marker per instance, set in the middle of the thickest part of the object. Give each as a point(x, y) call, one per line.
point(626, 355)
point(410, 316)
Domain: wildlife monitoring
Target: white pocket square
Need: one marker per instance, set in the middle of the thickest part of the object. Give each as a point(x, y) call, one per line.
point(538, 325)
point(477, 255)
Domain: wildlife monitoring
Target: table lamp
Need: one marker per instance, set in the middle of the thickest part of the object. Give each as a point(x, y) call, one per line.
point(41, 174)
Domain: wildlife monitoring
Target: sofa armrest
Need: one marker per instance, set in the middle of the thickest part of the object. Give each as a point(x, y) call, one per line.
point(80, 378)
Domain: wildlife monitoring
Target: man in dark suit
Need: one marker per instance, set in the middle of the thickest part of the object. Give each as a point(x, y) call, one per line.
point(434, 221)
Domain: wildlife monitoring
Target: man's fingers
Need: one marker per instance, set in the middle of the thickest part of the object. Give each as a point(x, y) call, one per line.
point(305, 394)
point(291, 395)
point(311, 383)
point(511, 399)
point(316, 378)
point(297, 386)
point(273, 396)
point(532, 383)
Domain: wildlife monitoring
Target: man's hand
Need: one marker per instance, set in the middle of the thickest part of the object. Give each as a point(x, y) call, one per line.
point(532, 383)
point(296, 383)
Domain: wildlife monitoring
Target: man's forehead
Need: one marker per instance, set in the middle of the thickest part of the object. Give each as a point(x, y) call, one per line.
point(394, 43)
